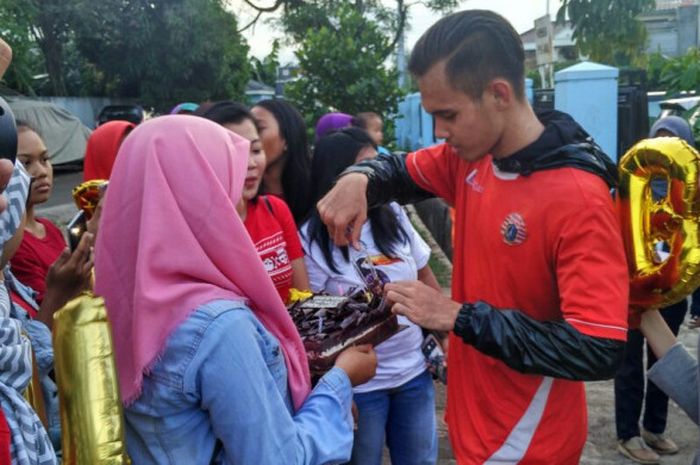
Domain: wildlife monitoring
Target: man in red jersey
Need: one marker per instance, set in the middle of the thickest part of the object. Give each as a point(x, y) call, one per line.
point(540, 286)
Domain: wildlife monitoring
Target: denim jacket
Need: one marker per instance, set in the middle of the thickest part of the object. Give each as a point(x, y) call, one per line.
point(218, 394)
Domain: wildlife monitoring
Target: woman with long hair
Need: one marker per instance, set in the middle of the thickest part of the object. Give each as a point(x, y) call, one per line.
point(43, 242)
point(211, 368)
point(283, 135)
point(398, 404)
point(266, 217)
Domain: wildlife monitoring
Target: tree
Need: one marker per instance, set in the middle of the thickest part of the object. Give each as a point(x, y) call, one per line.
point(299, 16)
point(608, 31)
point(265, 70)
point(342, 68)
point(164, 51)
point(682, 73)
point(42, 25)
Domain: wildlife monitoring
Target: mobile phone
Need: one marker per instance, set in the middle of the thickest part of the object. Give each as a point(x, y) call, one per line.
point(76, 228)
point(435, 358)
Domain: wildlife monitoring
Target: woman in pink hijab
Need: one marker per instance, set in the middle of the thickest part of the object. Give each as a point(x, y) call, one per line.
point(211, 368)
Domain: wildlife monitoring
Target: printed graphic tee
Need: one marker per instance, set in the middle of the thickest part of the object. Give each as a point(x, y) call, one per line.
point(271, 227)
point(399, 357)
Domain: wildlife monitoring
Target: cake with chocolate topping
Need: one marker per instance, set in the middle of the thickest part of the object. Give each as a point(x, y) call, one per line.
point(330, 324)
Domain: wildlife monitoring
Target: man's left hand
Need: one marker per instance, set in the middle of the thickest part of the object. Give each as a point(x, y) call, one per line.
point(422, 304)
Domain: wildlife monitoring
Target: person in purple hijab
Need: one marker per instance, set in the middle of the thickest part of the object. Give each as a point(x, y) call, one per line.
point(330, 122)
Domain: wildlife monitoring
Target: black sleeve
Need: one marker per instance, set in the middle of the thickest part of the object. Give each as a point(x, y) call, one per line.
point(389, 180)
point(552, 348)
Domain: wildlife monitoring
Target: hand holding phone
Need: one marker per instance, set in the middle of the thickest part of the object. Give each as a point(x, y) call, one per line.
point(76, 228)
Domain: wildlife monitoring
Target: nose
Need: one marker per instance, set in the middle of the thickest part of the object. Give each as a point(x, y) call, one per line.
point(40, 170)
point(440, 131)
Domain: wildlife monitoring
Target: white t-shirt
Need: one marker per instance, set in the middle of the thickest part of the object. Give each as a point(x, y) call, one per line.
point(399, 358)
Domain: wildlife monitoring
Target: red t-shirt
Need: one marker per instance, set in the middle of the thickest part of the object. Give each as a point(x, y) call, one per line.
point(31, 263)
point(5, 440)
point(274, 233)
point(549, 245)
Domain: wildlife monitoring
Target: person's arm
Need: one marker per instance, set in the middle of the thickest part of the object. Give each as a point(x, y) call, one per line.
point(247, 411)
point(389, 180)
point(676, 371)
point(5, 60)
point(427, 277)
point(657, 333)
point(587, 344)
point(300, 277)
point(68, 276)
point(403, 178)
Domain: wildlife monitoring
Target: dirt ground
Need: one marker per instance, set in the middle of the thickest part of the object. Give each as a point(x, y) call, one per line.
point(601, 445)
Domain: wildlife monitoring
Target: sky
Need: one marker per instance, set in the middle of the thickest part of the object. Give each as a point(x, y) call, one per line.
point(521, 13)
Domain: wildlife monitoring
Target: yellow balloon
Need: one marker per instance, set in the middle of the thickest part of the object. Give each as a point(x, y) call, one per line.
point(91, 412)
point(657, 281)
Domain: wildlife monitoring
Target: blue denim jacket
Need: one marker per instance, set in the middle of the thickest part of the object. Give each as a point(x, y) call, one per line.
point(218, 394)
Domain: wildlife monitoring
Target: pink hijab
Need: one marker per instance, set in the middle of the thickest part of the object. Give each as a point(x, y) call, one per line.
point(170, 240)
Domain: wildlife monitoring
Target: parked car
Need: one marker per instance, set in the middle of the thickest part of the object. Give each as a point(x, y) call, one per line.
point(131, 113)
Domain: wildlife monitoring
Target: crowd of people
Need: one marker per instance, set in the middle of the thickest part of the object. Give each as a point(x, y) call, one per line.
point(209, 217)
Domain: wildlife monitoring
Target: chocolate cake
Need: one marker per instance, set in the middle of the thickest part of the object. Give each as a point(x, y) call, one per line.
point(329, 324)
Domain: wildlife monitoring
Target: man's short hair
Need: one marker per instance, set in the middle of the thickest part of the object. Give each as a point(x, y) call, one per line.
point(477, 47)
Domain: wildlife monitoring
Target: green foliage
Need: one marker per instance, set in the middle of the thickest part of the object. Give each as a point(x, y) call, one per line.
point(682, 73)
point(39, 33)
point(300, 16)
point(342, 69)
point(158, 51)
point(655, 65)
point(15, 29)
point(265, 70)
point(608, 30)
point(164, 51)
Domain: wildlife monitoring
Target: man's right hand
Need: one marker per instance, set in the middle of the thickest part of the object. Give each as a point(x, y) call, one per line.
point(359, 363)
point(344, 209)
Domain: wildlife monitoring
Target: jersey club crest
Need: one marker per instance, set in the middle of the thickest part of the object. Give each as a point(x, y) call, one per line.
point(513, 229)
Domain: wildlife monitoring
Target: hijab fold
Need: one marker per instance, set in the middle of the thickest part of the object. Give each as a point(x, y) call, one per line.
point(170, 241)
point(102, 147)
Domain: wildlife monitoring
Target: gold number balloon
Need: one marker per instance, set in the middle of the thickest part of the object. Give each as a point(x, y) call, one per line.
point(655, 280)
point(91, 413)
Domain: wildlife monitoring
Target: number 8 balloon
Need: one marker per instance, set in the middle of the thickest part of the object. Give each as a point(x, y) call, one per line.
point(657, 281)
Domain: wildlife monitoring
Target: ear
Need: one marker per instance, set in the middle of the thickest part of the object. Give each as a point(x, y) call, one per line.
point(502, 93)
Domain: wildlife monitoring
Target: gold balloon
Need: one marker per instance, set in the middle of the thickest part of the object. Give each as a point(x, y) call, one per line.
point(88, 194)
point(91, 412)
point(657, 282)
point(35, 395)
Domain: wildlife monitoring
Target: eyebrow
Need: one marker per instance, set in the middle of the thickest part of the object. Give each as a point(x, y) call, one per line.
point(442, 112)
point(45, 152)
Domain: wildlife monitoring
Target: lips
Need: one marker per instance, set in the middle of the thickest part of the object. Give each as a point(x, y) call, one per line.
point(42, 187)
point(251, 181)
